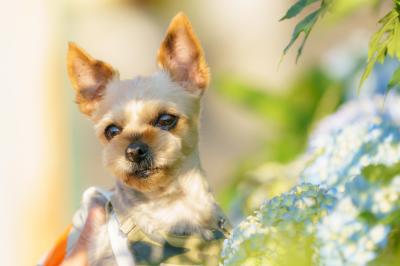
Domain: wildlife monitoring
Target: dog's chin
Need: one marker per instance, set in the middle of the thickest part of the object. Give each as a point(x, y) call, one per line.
point(147, 180)
point(143, 173)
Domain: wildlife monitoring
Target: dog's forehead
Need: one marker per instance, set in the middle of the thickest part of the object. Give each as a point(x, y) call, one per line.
point(141, 92)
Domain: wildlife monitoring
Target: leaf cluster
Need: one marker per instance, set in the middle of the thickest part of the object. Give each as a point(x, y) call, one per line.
point(383, 44)
point(306, 24)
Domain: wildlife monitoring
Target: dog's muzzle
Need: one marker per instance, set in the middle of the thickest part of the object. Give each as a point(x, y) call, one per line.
point(139, 154)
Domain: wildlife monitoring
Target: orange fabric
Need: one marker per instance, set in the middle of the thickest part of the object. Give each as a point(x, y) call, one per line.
point(57, 253)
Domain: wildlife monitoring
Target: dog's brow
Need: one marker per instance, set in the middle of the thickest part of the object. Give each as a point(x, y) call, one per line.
point(135, 136)
point(133, 110)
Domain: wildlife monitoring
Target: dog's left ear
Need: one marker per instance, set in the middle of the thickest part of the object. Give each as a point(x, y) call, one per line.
point(182, 56)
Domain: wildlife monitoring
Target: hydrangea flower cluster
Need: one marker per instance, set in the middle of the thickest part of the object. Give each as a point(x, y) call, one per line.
point(345, 158)
point(266, 237)
point(346, 209)
point(357, 230)
point(362, 133)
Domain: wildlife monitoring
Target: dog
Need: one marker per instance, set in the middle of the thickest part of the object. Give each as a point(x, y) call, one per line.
point(149, 129)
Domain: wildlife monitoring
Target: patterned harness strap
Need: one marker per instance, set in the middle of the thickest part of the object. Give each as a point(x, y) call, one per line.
point(127, 240)
point(70, 236)
point(119, 242)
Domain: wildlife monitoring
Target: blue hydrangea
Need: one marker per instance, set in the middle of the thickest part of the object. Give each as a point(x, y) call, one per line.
point(347, 204)
point(361, 133)
point(357, 229)
point(267, 236)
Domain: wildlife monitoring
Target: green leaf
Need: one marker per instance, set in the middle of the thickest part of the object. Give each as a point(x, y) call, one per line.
point(368, 217)
point(307, 23)
point(383, 42)
point(295, 9)
point(304, 26)
point(394, 45)
point(381, 34)
point(380, 173)
point(379, 54)
point(395, 80)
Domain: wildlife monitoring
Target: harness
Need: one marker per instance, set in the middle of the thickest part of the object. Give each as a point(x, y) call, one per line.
point(131, 246)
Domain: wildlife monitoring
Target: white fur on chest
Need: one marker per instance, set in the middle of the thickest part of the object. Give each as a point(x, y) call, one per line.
point(183, 215)
point(185, 209)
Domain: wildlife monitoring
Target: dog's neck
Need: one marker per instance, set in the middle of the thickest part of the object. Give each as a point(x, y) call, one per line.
point(185, 206)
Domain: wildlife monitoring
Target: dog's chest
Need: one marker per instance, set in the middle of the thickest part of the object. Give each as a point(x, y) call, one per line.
point(172, 249)
point(168, 249)
point(124, 241)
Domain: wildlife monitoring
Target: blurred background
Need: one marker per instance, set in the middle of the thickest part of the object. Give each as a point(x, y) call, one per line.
point(256, 117)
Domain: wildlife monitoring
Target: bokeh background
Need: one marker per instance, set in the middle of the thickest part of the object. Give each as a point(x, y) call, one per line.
point(256, 117)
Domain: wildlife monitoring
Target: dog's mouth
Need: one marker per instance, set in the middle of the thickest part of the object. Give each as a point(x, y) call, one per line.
point(144, 173)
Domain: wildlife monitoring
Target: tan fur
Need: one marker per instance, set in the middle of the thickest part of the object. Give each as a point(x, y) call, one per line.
point(175, 197)
point(88, 76)
point(181, 54)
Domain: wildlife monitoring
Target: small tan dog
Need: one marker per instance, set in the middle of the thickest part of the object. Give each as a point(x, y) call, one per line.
point(149, 129)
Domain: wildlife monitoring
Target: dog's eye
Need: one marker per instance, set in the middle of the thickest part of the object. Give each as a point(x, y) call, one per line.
point(111, 131)
point(166, 121)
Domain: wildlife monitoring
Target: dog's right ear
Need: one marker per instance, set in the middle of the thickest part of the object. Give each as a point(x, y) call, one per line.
point(89, 78)
point(182, 57)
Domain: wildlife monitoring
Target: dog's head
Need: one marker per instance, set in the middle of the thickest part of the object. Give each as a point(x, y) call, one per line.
point(148, 125)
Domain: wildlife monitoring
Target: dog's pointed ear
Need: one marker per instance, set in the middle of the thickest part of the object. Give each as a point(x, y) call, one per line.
point(182, 57)
point(88, 76)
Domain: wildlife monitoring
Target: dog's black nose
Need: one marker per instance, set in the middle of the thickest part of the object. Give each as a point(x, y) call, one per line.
point(136, 151)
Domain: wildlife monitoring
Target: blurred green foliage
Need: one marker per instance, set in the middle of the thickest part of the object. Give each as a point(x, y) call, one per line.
point(383, 44)
point(292, 114)
point(306, 100)
point(381, 173)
